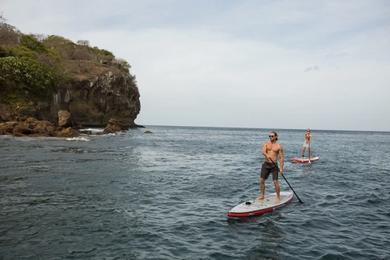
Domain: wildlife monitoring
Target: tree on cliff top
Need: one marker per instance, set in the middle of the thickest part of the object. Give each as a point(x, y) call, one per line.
point(9, 35)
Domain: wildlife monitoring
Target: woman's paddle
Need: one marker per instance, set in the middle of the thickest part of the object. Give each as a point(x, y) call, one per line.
point(287, 182)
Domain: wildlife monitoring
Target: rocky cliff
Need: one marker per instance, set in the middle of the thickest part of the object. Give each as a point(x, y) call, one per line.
point(96, 100)
point(41, 75)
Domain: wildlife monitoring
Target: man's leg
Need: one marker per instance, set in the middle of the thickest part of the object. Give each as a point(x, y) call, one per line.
point(303, 151)
point(277, 188)
point(263, 176)
point(262, 188)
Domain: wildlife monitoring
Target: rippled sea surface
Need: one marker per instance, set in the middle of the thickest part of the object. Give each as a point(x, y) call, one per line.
point(165, 195)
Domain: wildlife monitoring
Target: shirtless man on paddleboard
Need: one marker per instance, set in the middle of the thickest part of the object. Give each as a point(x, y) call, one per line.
point(272, 151)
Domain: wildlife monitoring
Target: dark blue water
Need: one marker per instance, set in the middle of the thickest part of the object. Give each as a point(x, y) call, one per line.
point(165, 195)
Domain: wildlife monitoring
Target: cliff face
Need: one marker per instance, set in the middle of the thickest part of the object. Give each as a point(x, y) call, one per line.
point(93, 102)
point(41, 75)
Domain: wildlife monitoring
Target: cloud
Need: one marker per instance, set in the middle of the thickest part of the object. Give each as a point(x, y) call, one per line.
point(312, 68)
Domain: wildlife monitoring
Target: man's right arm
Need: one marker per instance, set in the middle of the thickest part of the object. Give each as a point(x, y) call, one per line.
point(264, 151)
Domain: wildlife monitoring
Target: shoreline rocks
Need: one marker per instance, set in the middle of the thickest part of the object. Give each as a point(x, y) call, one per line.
point(115, 125)
point(31, 126)
point(64, 118)
point(34, 127)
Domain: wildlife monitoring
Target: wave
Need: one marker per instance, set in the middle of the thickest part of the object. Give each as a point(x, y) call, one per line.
point(84, 139)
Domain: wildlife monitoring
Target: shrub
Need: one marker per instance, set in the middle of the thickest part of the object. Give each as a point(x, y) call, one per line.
point(55, 40)
point(103, 52)
point(122, 64)
point(22, 51)
point(9, 35)
point(3, 52)
point(32, 43)
point(25, 77)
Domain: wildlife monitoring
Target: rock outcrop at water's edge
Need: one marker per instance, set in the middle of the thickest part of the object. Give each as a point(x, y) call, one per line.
point(34, 127)
point(51, 86)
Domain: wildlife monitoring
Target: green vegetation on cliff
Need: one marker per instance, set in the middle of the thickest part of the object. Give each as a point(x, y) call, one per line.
point(23, 78)
point(33, 67)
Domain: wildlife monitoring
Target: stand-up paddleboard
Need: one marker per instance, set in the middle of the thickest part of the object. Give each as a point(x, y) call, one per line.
point(304, 160)
point(259, 207)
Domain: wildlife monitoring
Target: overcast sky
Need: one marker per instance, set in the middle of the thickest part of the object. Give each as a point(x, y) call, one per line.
point(264, 64)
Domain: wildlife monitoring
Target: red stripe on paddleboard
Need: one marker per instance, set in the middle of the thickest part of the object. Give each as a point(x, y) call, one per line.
point(257, 212)
point(248, 214)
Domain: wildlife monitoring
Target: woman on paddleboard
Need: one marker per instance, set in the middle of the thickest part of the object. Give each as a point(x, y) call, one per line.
point(272, 151)
point(306, 143)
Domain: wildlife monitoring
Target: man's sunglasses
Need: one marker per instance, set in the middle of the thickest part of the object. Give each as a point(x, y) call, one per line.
point(271, 136)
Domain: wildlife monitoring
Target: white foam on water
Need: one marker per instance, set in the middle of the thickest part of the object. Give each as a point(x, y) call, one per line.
point(85, 139)
point(93, 131)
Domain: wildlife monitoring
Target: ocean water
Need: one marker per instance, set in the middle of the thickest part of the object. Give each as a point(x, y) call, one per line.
point(165, 195)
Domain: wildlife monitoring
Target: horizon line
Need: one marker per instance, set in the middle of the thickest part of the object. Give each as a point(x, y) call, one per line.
point(269, 128)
